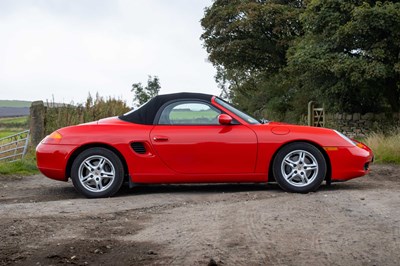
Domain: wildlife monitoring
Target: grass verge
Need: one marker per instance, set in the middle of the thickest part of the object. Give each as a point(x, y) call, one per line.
point(386, 146)
point(26, 166)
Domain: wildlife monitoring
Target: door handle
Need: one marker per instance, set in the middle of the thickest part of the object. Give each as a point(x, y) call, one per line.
point(160, 138)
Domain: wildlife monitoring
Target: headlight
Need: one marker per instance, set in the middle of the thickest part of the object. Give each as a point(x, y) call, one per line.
point(345, 138)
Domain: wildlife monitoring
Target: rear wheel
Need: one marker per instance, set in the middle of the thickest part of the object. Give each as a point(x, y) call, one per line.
point(299, 167)
point(97, 172)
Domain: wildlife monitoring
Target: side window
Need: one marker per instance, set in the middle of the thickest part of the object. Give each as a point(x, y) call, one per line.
point(189, 113)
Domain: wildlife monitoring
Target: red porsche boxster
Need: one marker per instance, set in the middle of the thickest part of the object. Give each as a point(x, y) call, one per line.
point(197, 138)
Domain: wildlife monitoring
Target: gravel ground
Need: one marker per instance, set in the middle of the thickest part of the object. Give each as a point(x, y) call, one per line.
point(45, 222)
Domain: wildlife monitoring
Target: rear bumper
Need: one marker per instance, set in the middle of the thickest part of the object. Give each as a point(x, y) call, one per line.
point(52, 160)
point(350, 162)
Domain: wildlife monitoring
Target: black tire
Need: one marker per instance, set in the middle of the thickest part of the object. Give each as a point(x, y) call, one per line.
point(97, 173)
point(299, 167)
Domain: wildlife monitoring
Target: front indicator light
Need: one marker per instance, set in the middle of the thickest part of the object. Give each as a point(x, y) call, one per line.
point(53, 138)
point(360, 145)
point(331, 148)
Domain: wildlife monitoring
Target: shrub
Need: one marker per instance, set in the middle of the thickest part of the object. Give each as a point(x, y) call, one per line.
point(386, 146)
point(93, 109)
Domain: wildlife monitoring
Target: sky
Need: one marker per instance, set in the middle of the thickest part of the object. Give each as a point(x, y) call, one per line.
point(64, 49)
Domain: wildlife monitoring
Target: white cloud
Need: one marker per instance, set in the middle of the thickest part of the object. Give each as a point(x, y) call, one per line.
point(68, 48)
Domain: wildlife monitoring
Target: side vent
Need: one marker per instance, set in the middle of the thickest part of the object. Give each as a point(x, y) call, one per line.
point(138, 147)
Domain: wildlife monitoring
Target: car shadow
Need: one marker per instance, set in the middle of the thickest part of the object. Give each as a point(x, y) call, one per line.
point(68, 192)
point(194, 188)
point(210, 188)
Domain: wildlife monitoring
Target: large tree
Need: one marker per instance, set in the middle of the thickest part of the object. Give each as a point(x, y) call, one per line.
point(250, 35)
point(278, 55)
point(247, 41)
point(349, 55)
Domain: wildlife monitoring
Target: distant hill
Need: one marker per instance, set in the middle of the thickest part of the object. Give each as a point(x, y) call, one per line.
point(14, 108)
point(14, 111)
point(14, 103)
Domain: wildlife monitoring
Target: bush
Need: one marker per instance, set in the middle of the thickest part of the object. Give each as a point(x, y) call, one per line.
point(94, 109)
point(386, 146)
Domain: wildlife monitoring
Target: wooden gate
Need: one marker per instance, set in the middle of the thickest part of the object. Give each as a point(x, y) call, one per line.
point(316, 116)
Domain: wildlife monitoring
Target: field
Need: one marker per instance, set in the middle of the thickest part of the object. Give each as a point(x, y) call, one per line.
point(6, 133)
point(12, 125)
point(8, 127)
point(11, 121)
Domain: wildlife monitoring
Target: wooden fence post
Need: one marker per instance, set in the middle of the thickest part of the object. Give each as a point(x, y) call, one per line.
point(310, 113)
point(36, 124)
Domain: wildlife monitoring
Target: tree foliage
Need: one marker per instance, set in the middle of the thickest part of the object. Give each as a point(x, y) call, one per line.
point(247, 41)
point(143, 94)
point(250, 35)
point(349, 54)
point(272, 57)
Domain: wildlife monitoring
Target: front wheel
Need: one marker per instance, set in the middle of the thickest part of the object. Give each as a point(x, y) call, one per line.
point(299, 167)
point(97, 173)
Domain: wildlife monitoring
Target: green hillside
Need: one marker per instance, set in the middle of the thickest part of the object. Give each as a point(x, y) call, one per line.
point(14, 103)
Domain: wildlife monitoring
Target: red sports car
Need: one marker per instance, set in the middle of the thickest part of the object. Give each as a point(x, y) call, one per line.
point(197, 138)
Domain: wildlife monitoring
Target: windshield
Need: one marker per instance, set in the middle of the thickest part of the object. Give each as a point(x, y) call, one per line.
point(237, 112)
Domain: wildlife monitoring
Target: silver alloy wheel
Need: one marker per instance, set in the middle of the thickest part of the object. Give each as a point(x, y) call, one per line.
point(96, 173)
point(299, 168)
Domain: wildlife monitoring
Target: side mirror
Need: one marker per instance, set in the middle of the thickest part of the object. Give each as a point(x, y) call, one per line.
point(224, 119)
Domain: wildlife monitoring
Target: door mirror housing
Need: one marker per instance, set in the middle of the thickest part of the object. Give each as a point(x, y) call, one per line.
point(224, 119)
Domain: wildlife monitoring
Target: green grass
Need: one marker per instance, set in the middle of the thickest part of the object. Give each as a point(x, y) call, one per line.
point(8, 132)
point(12, 125)
point(14, 103)
point(26, 166)
point(23, 120)
point(386, 146)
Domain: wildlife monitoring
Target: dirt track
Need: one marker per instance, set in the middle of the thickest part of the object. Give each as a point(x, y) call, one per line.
point(45, 222)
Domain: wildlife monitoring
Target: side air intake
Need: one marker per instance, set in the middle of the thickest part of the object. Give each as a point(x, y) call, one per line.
point(138, 147)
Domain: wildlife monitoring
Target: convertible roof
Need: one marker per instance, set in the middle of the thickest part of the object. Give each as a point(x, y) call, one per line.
point(147, 112)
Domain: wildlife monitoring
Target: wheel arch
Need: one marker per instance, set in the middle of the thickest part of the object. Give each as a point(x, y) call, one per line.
point(328, 177)
point(96, 145)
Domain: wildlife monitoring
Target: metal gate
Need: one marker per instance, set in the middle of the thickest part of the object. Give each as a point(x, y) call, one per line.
point(13, 148)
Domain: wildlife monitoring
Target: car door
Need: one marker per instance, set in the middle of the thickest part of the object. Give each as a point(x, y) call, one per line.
point(189, 140)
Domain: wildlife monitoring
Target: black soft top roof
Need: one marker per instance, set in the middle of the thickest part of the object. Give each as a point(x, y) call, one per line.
point(146, 113)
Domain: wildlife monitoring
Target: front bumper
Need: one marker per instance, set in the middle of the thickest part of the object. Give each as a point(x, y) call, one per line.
point(350, 162)
point(52, 160)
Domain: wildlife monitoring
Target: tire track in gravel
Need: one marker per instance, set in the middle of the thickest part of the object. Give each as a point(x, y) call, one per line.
point(351, 207)
point(197, 231)
point(188, 234)
point(255, 223)
point(295, 224)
